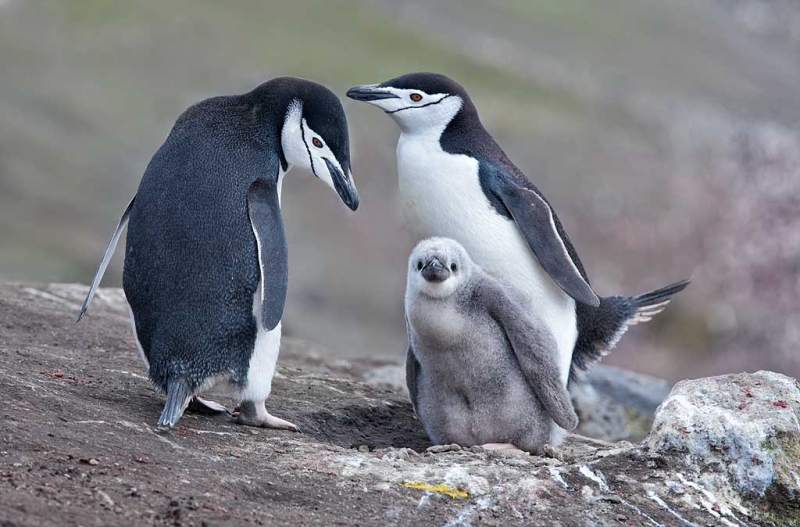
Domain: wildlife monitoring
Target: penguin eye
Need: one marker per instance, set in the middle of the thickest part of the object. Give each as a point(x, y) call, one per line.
point(317, 142)
point(416, 97)
point(453, 267)
point(419, 266)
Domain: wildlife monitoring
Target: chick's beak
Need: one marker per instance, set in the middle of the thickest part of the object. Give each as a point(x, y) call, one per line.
point(435, 271)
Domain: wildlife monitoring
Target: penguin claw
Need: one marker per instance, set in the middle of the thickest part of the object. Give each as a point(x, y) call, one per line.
point(255, 414)
point(276, 423)
point(199, 405)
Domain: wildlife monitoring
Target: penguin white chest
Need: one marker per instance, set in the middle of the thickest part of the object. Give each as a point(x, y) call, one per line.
point(440, 195)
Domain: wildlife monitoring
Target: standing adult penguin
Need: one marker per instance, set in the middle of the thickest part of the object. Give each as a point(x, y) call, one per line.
point(205, 271)
point(456, 182)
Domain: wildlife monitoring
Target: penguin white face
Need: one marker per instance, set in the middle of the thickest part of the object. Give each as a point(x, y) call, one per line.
point(305, 144)
point(438, 267)
point(418, 102)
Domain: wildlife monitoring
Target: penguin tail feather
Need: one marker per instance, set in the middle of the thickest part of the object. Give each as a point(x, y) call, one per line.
point(650, 304)
point(178, 396)
point(606, 324)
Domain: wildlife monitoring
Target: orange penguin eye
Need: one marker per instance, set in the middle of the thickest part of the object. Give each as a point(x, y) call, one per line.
point(317, 142)
point(416, 97)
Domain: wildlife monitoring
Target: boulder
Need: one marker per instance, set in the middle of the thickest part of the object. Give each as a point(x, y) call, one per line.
point(745, 427)
point(614, 404)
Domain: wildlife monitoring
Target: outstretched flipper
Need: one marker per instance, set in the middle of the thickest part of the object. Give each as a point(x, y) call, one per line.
point(536, 221)
point(112, 244)
point(264, 211)
point(535, 349)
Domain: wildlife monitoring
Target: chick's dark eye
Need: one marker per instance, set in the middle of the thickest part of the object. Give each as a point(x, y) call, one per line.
point(317, 142)
point(419, 266)
point(416, 97)
point(453, 267)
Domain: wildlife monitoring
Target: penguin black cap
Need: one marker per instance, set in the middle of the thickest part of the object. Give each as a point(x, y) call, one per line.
point(322, 110)
point(424, 81)
point(427, 82)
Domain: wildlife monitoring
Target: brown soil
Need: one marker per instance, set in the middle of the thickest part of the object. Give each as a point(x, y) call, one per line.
point(78, 445)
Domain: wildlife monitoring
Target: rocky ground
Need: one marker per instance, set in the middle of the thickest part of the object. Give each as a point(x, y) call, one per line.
point(78, 446)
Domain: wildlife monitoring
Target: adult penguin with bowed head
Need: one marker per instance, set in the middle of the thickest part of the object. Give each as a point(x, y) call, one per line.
point(455, 181)
point(206, 268)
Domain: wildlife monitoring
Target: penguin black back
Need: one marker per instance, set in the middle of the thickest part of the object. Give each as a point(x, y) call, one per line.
point(190, 255)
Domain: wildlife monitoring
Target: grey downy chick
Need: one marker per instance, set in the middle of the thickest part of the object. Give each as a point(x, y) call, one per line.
point(482, 369)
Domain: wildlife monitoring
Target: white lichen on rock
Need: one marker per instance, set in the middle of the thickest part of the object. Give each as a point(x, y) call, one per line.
point(745, 426)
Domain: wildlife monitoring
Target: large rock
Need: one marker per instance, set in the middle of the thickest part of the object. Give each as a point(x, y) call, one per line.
point(78, 446)
point(615, 404)
point(744, 426)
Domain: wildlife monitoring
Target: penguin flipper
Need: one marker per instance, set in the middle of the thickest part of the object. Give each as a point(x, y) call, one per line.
point(112, 244)
point(412, 369)
point(536, 220)
point(412, 373)
point(264, 211)
point(535, 349)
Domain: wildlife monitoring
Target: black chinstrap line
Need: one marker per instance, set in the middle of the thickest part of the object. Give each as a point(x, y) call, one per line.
point(310, 157)
point(418, 107)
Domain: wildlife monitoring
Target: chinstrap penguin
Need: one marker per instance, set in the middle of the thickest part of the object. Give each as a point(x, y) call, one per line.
point(456, 181)
point(486, 370)
point(205, 271)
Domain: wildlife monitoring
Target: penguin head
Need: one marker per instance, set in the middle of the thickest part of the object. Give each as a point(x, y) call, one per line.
point(438, 267)
point(418, 102)
point(314, 136)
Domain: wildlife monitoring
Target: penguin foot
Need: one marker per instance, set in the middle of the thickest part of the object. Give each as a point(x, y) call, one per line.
point(199, 405)
point(555, 453)
point(255, 414)
point(499, 446)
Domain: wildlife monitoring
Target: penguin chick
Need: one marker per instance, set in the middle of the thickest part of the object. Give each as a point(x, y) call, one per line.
point(206, 265)
point(485, 370)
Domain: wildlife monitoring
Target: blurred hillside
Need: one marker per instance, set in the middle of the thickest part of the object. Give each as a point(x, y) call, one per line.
point(665, 134)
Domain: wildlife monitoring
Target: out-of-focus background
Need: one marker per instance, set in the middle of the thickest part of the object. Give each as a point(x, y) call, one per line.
point(665, 134)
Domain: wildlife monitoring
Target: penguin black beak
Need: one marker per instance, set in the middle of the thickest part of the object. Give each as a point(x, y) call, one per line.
point(343, 185)
point(435, 271)
point(370, 92)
